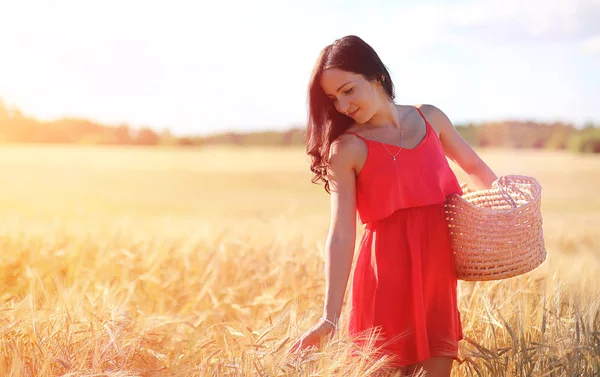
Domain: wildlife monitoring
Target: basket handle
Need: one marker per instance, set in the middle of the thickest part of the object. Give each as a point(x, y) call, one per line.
point(466, 190)
point(505, 194)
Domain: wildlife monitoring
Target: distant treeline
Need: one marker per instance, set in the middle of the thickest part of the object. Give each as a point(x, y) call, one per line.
point(18, 128)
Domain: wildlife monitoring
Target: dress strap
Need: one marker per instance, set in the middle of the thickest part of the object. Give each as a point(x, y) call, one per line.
point(422, 116)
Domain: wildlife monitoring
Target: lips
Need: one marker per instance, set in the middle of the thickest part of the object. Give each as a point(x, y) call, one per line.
point(352, 114)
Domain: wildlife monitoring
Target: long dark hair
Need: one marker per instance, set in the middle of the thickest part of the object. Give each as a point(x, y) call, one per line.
point(325, 123)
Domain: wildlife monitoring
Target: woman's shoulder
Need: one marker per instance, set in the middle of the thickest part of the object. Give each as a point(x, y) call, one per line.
point(436, 117)
point(346, 151)
point(427, 108)
point(346, 143)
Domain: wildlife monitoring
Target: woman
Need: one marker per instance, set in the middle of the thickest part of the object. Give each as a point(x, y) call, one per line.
point(387, 162)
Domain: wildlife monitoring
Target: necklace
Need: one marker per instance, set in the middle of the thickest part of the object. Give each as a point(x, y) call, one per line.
point(400, 147)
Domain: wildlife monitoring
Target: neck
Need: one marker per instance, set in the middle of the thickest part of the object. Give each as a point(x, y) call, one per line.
point(388, 116)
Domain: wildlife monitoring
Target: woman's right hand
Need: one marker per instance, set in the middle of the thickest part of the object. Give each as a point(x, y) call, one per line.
point(313, 336)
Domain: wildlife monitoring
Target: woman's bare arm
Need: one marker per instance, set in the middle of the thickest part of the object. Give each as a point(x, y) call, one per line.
point(341, 237)
point(342, 230)
point(458, 150)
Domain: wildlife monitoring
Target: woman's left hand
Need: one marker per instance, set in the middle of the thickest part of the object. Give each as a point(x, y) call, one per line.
point(313, 336)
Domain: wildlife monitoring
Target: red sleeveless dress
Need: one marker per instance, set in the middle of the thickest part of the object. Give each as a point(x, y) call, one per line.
point(404, 282)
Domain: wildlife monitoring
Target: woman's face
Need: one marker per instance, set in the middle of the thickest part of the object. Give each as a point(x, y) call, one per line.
point(352, 94)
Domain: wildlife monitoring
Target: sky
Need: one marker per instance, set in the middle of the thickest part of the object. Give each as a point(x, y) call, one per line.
point(197, 67)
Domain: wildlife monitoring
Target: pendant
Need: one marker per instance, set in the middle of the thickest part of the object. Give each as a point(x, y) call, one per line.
point(394, 158)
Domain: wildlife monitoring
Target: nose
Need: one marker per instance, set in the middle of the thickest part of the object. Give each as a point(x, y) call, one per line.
point(342, 105)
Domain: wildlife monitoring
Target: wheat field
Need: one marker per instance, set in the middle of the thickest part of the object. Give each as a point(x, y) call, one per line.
point(210, 262)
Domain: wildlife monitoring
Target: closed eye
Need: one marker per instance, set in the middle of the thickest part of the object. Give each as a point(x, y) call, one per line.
point(346, 92)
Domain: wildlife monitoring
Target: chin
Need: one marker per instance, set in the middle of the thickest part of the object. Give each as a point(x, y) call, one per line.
point(361, 119)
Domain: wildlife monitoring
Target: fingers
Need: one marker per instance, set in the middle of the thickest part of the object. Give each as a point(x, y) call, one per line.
point(301, 344)
point(296, 346)
point(310, 339)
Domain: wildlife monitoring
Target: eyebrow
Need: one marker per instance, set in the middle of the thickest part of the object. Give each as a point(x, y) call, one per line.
point(340, 87)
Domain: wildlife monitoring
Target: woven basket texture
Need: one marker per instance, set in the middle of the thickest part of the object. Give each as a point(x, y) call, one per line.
point(497, 233)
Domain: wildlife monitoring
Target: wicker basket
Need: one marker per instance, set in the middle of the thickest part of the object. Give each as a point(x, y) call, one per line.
point(497, 233)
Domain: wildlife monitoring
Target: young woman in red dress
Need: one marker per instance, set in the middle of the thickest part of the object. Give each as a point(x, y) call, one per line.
point(386, 163)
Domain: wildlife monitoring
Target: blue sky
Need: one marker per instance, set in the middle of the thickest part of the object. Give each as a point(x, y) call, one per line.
point(200, 67)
